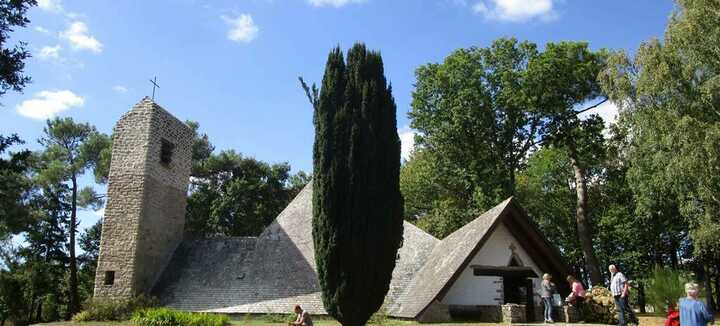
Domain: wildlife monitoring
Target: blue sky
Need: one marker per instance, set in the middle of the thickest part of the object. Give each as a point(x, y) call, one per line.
point(233, 65)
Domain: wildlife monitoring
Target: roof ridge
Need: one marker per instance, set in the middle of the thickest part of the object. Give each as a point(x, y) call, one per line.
point(447, 259)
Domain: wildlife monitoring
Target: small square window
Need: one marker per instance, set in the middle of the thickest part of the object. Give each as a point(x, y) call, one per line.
point(166, 151)
point(109, 277)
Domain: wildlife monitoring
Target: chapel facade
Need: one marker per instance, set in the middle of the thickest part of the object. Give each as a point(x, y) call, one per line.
point(487, 270)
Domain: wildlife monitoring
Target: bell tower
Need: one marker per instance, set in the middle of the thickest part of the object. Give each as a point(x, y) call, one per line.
point(147, 191)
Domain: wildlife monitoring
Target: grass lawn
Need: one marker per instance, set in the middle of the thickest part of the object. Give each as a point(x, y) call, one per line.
point(644, 321)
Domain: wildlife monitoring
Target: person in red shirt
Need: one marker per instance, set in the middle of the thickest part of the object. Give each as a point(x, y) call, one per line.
point(673, 316)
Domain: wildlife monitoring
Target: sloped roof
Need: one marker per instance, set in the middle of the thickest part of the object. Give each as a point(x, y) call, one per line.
point(452, 255)
point(446, 259)
point(270, 273)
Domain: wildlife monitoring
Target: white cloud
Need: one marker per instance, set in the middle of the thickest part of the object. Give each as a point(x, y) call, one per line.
point(50, 5)
point(50, 52)
point(47, 104)
point(515, 10)
point(77, 35)
point(120, 89)
point(100, 212)
point(41, 29)
point(242, 28)
point(333, 3)
point(407, 142)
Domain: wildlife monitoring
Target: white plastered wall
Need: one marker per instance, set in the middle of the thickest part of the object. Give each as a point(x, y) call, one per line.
point(469, 289)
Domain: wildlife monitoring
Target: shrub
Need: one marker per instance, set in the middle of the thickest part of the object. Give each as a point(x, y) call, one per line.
point(113, 309)
point(600, 307)
point(170, 317)
point(665, 287)
point(82, 316)
point(381, 318)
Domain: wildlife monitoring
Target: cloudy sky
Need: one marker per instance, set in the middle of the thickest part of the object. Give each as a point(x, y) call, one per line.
point(233, 65)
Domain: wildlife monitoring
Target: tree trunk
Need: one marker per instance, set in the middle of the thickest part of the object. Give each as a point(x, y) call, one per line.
point(2, 322)
point(717, 284)
point(708, 289)
point(583, 220)
point(38, 312)
point(74, 305)
point(641, 296)
point(673, 252)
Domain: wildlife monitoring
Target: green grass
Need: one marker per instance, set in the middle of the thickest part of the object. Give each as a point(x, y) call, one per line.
point(263, 321)
point(260, 320)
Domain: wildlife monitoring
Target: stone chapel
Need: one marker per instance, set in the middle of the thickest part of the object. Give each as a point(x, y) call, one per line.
point(488, 270)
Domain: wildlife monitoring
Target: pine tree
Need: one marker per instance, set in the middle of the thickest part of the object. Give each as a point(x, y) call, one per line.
point(357, 205)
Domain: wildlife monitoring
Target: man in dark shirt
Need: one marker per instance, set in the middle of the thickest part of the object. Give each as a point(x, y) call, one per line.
point(303, 318)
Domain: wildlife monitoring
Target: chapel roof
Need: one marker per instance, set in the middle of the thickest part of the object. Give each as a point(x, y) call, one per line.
point(270, 273)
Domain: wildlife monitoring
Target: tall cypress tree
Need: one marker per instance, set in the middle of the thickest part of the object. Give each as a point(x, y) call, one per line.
point(357, 205)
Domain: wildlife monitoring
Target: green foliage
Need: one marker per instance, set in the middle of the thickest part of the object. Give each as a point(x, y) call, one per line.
point(664, 287)
point(476, 121)
point(12, 15)
point(170, 317)
point(12, 305)
point(478, 115)
point(357, 205)
point(14, 166)
point(670, 95)
point(238, 196)
point(89, 242)
point(235, 195)
point(202, 147)
point(546, 190)
point(381, 317)
point(108, 309)
point(418, 185)
point(70, 149)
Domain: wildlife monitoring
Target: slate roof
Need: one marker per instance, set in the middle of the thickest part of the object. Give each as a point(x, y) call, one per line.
point(270, 273)
point(273, 272)
point(447, 259)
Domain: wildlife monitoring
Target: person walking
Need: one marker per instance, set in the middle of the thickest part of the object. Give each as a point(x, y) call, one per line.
point(620, 289)
point(693, 312)
point(547, 289)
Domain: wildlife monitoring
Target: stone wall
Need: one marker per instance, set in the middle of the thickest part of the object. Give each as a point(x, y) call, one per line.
point(477, 313)
point(145, 212)
point(514, 313)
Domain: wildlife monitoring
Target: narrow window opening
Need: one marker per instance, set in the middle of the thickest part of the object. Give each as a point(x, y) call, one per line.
point(109, 277)
point(166, 151)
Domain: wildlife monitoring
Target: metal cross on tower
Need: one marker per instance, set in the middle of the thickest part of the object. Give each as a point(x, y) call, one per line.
point(155, 84)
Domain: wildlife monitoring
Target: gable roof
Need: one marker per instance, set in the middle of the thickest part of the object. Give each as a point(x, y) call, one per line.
point(270, 273)
point(446, 259)
point(274, 271)
point(452, 255)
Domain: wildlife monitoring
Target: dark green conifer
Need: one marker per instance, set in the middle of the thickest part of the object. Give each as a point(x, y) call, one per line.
point(357, 205)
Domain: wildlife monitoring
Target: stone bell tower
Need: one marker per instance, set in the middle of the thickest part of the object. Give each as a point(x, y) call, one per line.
point(147, 190)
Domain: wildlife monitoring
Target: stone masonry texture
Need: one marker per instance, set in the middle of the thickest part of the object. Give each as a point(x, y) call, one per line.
point(145, 212)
